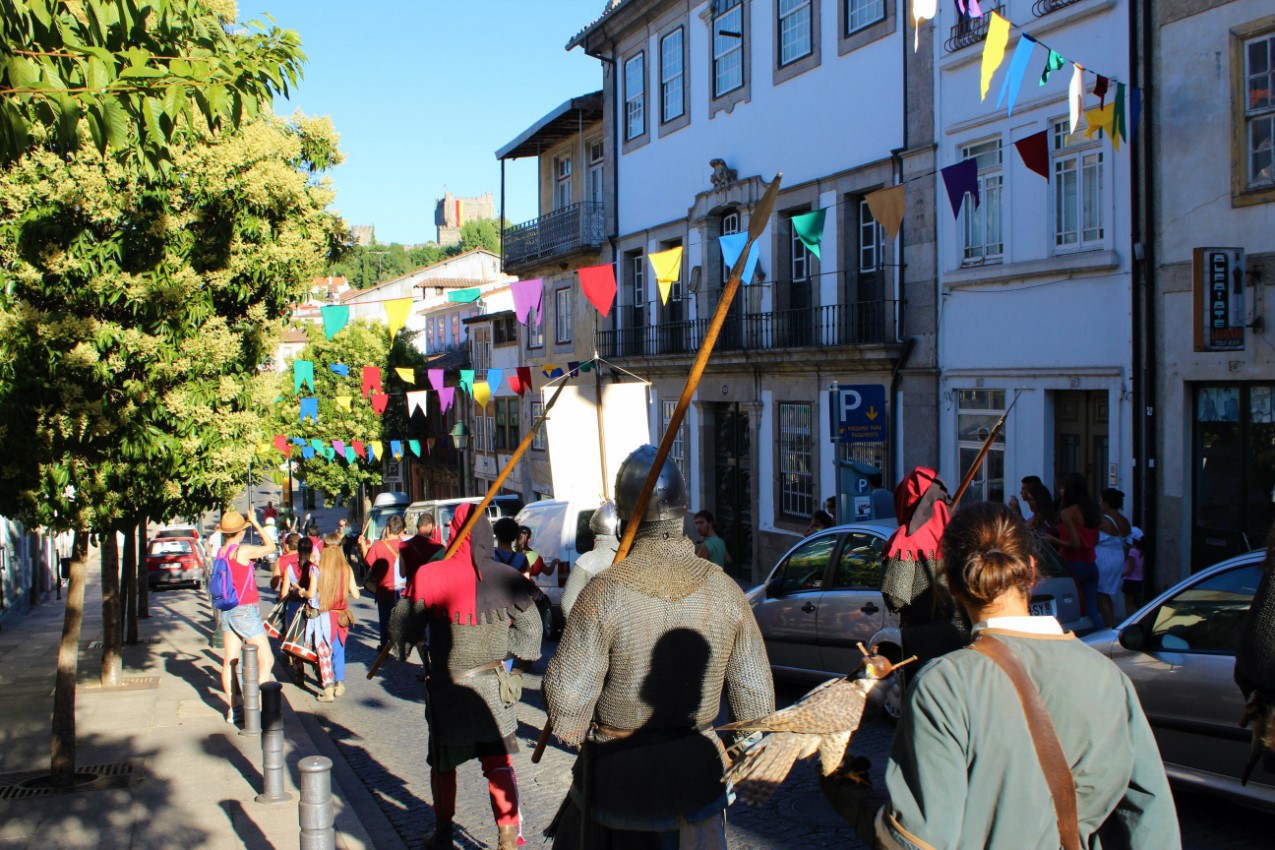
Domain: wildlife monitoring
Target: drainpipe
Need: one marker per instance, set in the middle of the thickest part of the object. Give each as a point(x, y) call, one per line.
point(896, 399)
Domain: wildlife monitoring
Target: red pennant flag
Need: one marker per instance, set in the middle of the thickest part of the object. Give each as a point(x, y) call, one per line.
point(281, 443)
point(357, 446)
point(1100, 90)
point(379, 400)
point(1034, 151)
point(521, 382)
point(598, 283)
point(371, 380)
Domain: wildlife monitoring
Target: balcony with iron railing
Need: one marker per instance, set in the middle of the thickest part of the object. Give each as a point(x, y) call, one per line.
point(578, 227)
point(967, 30)
point(1043, 7)
point(860, 323)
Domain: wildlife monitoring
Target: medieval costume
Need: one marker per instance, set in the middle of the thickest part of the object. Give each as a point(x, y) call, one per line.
point(605, 525)
point(638, 680)
point(912, 583)
point(478, 612)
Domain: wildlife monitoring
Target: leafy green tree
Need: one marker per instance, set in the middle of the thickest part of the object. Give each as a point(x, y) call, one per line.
point(481, 233)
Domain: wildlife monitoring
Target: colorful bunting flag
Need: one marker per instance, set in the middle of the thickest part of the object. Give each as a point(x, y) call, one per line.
point(1098, 120)
point(1135, 107)
point(357, 445)
point(464, 296)
point(551, 370)
point(371, 380)
point(1076, 96)
point(667, 266)
point(343, 401)
point(528, 297)
point(281, 443)
point(340, 369)
point(482, 393)
point(467, 381)
point(316, 443)
point(299, 442)
point(406, 375)
point(960, 179)
point(418, 399)
point(573, 368)
point(732, 246)
point(310, 409)
point(975, 10)
point(1100, 90)
point(328, 452)
point(494, 379)
point(335, 317)
point(1034, 152)
point(598, 285)
point(809, 229)
point(436, 379)
point(429, 444)
point(396, 312)
point(415, 446)
point(588, 365)
point(521, 381)
point(922, 10)
point(1053, 62)
point(993, 51)
point(350, 457)
point(379, 401)
point(1018, 66)
point(445, 398)
point(307, 453)
point(302, 373)
point(374, 450)
point(339, 445)
point(396, 449)
point(1118, 127)
point(887, 207)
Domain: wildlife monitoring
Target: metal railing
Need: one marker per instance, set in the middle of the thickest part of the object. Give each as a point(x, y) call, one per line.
point(967, 30)
point(1043, 7)
point(554, 234)
point(862, 323)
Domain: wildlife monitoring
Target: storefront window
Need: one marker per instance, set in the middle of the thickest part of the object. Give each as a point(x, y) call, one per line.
point(977, 413)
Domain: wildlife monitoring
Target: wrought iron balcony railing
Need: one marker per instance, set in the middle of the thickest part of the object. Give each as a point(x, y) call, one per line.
point(555, 234)
point(1043, 7)
point(967, 30)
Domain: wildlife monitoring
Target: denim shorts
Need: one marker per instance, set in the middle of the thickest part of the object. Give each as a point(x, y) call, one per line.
point(244, 621)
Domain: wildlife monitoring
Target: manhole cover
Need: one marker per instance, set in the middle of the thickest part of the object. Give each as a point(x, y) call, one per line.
point(553, 778)
point(97, 777)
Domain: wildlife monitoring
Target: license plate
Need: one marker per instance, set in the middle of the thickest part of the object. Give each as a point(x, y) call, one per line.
point(1043, 607)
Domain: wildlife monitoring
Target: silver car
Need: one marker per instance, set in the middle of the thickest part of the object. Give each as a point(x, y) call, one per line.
point(1179, 652)
point(824, 597)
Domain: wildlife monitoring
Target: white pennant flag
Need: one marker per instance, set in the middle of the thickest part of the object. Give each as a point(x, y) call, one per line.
point(1075, 95)
point(415, 399)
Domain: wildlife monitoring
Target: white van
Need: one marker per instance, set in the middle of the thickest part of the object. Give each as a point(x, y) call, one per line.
point(444, 509)
point(560, 534)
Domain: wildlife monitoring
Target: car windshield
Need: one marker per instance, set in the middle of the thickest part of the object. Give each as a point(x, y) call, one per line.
point(545, 523)
point(170, 547)
point(1206, 616)
point(177, 532)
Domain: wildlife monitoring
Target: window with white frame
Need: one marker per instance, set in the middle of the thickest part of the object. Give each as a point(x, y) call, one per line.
point(540, 441)
point(730, 224)
point(861, 13)
point(728, 46)
point(595, 172)
point(796, 460)
point(508, 433)
point(796, 36)
point(677, 451)
point(983, 239)
point(799, 256)
point(1259, 110)
point(635, 96)
point(480, 351)
point(491, 430)
point(562, 182)
point(672, 100)
point(563, 320)
point(871, 239)
point(480, 433)
point(1077, 190)
point(637, 279)
point(535, 333)
point(977, 412)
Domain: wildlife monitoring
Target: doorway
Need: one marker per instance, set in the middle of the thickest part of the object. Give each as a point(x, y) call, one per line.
point(1081, 436)
point(733, 485)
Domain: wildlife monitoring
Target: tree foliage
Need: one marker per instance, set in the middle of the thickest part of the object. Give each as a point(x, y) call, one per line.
point(368, 265)
point(134, 75)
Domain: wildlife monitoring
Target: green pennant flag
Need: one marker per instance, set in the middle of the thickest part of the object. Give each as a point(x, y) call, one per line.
point(335, 317)
point(467, 380)
point(809, 229)
point(464, 296)
point(415, 446)
point(1118, 126)
point(1055, 62)
point(317, 443)
point(350, 457)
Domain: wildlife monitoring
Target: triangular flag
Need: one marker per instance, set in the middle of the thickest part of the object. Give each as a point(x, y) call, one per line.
point(1076, 96)
point(371, 380)
point(573, 368)
point(732, 246)
point(1100, 90)
point(887, 207)
point(922, 10)
point(809, 229)
point(418, 398)
point(598, 285)
point(528, 295)
point(415, 446)
point(436, 379)
point(467, 381)
point(316, 443)
point(1119, 129)
point(343, 401)
point(374, 450)
point(396, 311)
point(307, 453)
point(1017, 70)
point(1034, 151)
point(335, 317)
point(667, 266)
point(1135, 107)
point(976, 11)
point(1098, 120)
point(520, 382)
point(482, 393)
point(406, 375)
point(960, 179)
point(299, 441)
point(328, 452)
point(464, 296)
point(396, 448)
point(551, 370)
point(494, 379)
point(339, 445)
point(358, 447)
point(588, 365)
point(340, 369)
point(445, 398)
point(429, 444)
point(1053, 62)
point(281, 443)
point(993, 51)
point(310, 408)
point(379, 401)
point(302, 373)
point(350, 457)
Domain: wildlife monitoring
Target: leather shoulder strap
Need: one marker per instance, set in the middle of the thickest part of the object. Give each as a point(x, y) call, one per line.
point(1062, 785)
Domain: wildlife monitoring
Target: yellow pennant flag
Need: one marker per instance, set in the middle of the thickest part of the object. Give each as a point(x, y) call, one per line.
point(993, 51)
point(377, 448)
point(667, 266)
point(1100, 119)
point(482, 393)
point(408, 376)
point(342, 401)
point(396, 312)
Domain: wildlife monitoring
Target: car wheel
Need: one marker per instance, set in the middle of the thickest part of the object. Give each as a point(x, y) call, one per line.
point(895, 686)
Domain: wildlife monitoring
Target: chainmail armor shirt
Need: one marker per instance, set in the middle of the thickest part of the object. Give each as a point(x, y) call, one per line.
point(586, 567)
point(653, 642)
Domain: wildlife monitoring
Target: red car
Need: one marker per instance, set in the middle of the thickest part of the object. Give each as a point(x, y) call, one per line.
point(175, 560)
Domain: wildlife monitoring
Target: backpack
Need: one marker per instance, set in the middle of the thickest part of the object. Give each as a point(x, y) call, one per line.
point(221, 584)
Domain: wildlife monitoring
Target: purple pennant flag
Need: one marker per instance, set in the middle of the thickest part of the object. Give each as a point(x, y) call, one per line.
point(528, 295)
point(436, 379)
point(960, 179)
point(445, 397)
point(339, 445)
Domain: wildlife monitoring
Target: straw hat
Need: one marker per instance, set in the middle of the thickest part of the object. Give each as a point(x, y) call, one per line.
point(232, 522)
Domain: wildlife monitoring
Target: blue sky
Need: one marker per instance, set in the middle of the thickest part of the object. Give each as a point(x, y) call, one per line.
point(423, 92)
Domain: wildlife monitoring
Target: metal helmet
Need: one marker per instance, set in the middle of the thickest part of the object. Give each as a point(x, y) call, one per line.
point(668, 499)
point(605, 521)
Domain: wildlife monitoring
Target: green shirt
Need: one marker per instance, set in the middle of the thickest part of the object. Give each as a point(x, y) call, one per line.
point(963, 772)
point(715, 549)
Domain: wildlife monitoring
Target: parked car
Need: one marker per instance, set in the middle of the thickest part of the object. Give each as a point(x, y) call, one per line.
point(824, 597)
point(444, 509)
point(188, 532)
point(1179, 652)
point(560, 534)
point(175, 560)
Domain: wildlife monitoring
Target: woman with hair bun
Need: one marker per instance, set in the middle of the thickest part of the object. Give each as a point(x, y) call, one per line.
point(965, 770)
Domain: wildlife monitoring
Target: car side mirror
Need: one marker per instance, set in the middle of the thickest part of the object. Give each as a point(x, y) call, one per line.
point(1133, 638)
point(772, 589)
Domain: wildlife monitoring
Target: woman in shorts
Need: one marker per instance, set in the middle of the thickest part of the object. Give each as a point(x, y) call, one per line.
point(242, 623)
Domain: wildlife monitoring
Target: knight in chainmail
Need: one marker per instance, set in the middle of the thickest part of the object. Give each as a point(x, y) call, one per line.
point(638, 678)
point(477, 612)
point(605, 525)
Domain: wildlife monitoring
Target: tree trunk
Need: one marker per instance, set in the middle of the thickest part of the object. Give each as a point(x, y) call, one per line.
point(111, 633)
point(128, 584)
point(143, 582)
point(62, 763)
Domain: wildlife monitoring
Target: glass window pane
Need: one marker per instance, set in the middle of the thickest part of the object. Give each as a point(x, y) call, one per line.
point(1206, 616)
point(806, 567)
point(860, 563)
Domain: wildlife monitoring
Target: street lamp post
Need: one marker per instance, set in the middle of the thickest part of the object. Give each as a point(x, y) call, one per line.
point(460, 439)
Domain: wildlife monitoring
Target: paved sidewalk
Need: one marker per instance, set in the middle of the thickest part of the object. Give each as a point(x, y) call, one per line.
point(179, 775)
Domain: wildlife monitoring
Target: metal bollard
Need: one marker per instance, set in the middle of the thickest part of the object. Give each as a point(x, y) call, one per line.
point(251, 691)
point(272, 745)
point(316, 812)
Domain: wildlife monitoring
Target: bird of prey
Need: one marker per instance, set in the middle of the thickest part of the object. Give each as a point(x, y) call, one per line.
point(822, 722)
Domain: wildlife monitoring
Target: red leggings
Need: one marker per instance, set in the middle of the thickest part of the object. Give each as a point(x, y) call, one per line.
point(501, 785)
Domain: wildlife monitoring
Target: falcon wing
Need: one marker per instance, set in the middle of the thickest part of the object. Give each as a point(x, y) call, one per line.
point(835, 706)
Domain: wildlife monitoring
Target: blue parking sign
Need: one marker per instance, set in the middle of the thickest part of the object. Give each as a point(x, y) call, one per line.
point(858, 414)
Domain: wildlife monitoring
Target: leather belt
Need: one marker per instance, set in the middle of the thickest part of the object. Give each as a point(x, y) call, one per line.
point(620, 734)
point(481, 668)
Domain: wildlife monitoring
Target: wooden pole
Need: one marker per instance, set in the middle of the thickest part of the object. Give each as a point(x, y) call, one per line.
point(602, 437)
point(982, 453)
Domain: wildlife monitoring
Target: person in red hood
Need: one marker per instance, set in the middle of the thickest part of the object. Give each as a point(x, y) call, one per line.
point(478, 612)
point(931, 622)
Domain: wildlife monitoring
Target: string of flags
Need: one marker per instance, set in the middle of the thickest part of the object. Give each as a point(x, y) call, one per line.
point(352, 451)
